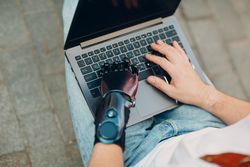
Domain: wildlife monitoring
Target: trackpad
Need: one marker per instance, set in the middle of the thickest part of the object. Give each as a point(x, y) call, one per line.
point(151, 101)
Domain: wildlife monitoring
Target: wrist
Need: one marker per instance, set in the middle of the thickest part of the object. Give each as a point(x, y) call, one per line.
point(208, 98)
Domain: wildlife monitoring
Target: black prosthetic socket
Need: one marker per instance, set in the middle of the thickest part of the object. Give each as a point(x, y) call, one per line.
point(118, 88)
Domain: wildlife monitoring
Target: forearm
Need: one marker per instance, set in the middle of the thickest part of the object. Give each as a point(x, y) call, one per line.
point(106, 155)
point(227, 108)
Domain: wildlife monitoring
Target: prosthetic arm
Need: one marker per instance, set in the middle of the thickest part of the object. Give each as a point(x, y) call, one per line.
point(118, 88)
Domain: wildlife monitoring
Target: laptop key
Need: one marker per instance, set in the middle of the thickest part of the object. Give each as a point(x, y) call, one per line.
point(176, 38)
point(120, 43)
point(130, 47)
point(157, 71)
point(81, 63)
point(110, 61)
point(102, 56)
point(101, 64)
point(144, 36)
point(130, 55)
point(109, 47)
point(88, 61)
point(109, 53)
point(136, 52)
point(149, 34)
point(126, 41)
point(150, 41)
point(95, 67)
point(162, 36)
point(86, 70)
point(90, 53)
point(156, 37)
point(132, 39)
point(99, 73)
point(171, 33)
point(143, 50)
point(94, 84)
point(103, 49)
point(78, 57)
point(122, 56)
point(160, 30)
point(95, 92)
point(90, 77)
point(135, 61)
point(143, 43)
point(171, 27)
point(136, 44)
point(97, 51)
point(115, 45)
point(116, 59)
point(84, 55)
point(155, 32)
point(142, 59)
point(144, 74)
point(168, 41)
point(95, 58)
point(123, 49)
point(165, 28)
point(141, 67)
point(138, 38)
point(116, 51)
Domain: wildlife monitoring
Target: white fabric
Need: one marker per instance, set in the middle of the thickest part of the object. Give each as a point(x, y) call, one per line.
point(185, 150)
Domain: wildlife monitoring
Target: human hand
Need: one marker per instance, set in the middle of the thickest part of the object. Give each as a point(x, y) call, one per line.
point(185, 86)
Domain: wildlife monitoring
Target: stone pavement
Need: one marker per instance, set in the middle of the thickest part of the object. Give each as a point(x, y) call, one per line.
point(36, 128)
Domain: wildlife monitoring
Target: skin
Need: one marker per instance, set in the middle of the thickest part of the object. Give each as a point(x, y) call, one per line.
point(186, 87)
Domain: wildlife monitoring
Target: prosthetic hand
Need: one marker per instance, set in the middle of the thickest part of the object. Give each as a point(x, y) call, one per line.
point(118, 88)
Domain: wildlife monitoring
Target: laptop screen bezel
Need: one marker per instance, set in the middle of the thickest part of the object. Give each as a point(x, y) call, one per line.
point(72, 42)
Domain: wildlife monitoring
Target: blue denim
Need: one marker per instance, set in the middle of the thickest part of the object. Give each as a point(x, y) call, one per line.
point(142, 137)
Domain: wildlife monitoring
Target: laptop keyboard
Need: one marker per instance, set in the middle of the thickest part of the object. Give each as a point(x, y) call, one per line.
point(134, 49)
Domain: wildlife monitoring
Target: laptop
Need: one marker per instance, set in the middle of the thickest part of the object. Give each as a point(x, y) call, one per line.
point(111, 30)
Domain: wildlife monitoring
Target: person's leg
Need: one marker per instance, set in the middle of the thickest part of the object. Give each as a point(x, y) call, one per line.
point(181, 120)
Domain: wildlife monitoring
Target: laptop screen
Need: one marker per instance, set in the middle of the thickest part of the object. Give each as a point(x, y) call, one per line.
point(94, 18)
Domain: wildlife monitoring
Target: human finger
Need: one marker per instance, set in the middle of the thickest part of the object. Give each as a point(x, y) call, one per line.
point(167, 50)
point(160, 84)
point(162, 62)
point(180, 50)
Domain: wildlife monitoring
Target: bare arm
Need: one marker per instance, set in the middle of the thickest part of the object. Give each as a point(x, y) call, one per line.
point(106, 155)
point(187, 87)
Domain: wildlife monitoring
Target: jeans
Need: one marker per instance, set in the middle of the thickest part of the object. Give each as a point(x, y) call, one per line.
point(142, 137)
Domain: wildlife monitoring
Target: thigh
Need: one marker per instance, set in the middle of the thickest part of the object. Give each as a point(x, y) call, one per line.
point(188, 118)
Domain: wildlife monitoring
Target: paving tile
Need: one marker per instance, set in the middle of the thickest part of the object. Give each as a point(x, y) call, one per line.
point(12, 31)
point(59, 6)
point(46, 148)
point(60, 104)
point(241, 6)
point(46, 38)
point(34, 6)
point(229, 84)
point(55, 82)
point(227, 19)
point(244, 17)
point(19, 159)
point(23, 80)
point(210, 46)
point(239, 51)
point(11, 139)
point(74, 154)
point(49, 156)
point(53, 62)
point(194, 9)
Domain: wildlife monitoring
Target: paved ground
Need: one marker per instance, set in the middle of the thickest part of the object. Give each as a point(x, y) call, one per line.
point(36, 128)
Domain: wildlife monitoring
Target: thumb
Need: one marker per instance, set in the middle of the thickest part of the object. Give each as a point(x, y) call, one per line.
point(160, 84)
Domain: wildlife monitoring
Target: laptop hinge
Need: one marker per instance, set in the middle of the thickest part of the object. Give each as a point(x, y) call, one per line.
point(121, 32)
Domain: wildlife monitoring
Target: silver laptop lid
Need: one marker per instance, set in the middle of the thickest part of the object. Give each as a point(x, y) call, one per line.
point(96, 18)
